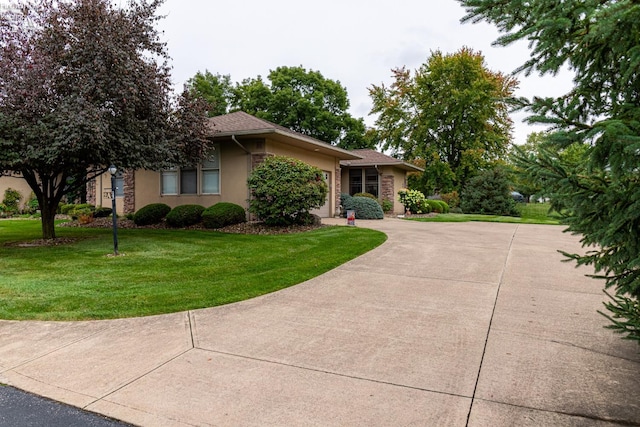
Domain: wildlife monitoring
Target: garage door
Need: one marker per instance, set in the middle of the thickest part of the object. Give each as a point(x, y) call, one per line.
point(324, 211)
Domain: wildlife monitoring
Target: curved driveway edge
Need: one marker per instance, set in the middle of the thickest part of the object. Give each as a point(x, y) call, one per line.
point(444, 324)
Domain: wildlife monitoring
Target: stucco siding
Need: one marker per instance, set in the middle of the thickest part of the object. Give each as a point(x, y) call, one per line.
point(17, 183)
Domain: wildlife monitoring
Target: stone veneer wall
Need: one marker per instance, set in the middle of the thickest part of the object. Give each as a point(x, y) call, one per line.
point(388, 190)
point(91, 192)
point(338, 179)
point(129, 192)
point(258, 158)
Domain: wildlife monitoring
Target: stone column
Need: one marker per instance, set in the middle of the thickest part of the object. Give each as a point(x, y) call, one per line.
point(91, 192)
point(388, 190)
point(129, 202)
point(338, 190)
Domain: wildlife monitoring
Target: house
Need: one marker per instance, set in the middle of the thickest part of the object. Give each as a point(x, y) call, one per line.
point(377, 174)
point(15, 182)
point(242, 141)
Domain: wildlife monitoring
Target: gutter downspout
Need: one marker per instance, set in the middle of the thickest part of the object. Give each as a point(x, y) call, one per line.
point(233, 137)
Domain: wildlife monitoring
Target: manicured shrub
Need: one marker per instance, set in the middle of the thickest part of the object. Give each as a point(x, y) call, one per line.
point(31, 206)
point(489, 193)
point(184, 215)
point(413, 201)
point(284, 190)
point(223, 214)
point(387, 205)
point(101, 212)
point(369, 195)
point(65, 209)
point(11, 200)
point(438, 206)
point(365, 208)
point(452, 199)
point(84, 210)
point(151, 214)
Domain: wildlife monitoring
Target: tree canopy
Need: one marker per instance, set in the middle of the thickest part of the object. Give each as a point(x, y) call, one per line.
point(452, 113)
point(598, 41)
point(217, 90)
point(84, 84)
point(299, 99)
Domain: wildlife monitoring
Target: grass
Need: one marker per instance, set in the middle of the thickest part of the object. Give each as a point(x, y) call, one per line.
point(530, 213)
point(163, 271)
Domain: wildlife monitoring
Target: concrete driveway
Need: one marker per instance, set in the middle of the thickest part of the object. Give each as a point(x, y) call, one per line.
point(445, 324)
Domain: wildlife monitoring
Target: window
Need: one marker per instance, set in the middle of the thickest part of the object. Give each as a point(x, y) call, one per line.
point(210, 172)
point(169, 184)
point(368, 176)
point(355, 181)
point(193, 180)
point(371, 181)
point(120, 184)
point(189, 180)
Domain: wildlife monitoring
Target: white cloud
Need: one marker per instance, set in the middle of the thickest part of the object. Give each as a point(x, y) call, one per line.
point(355, 42)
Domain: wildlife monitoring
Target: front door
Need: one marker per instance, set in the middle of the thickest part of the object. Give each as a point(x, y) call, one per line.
point(324, 211)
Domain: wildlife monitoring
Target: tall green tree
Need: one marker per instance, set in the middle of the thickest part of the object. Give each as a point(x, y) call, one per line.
point(598, 41)
point(85, 84)
point(452, 113)
point(304, 101)
point(217, 90)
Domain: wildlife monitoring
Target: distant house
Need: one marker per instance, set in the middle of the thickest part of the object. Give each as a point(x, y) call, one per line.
point(377, 174)
point(242, 141)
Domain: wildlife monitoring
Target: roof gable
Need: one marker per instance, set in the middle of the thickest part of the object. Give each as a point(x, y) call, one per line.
point(239, 124)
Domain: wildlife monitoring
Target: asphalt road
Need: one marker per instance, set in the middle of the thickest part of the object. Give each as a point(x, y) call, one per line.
point(22, 409)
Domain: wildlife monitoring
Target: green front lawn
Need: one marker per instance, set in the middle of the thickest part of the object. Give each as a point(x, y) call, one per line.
point(162, 271)
point(530, 213)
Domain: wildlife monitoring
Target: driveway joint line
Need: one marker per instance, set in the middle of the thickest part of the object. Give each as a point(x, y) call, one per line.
point(337, 374)
point(139, 377)
point(55, 350)
point(493, 312)
point(191, 322)
point(571, 414)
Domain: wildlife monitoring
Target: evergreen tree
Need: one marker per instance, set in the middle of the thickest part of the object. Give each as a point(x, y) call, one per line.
point(598, 40)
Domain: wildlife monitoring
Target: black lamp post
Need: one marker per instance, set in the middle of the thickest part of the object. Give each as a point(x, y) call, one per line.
point(113, 170)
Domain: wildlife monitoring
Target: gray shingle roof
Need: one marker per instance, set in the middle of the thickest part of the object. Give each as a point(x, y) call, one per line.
point(375, 158)
point(241, 124)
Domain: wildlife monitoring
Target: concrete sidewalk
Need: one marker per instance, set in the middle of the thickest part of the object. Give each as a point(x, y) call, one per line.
point(446, 324)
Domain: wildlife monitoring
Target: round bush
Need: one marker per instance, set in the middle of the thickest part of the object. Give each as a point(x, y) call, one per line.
point(151, 214)
point(369, 195)
point(223, 214)
point(284, 190)
point(185, 215)
point(102, 212)
point(365, 208)
point(438, 206)
point(414, 201)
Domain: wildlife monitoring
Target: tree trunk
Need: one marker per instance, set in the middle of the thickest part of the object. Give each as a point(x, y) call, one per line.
point(48, 220)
